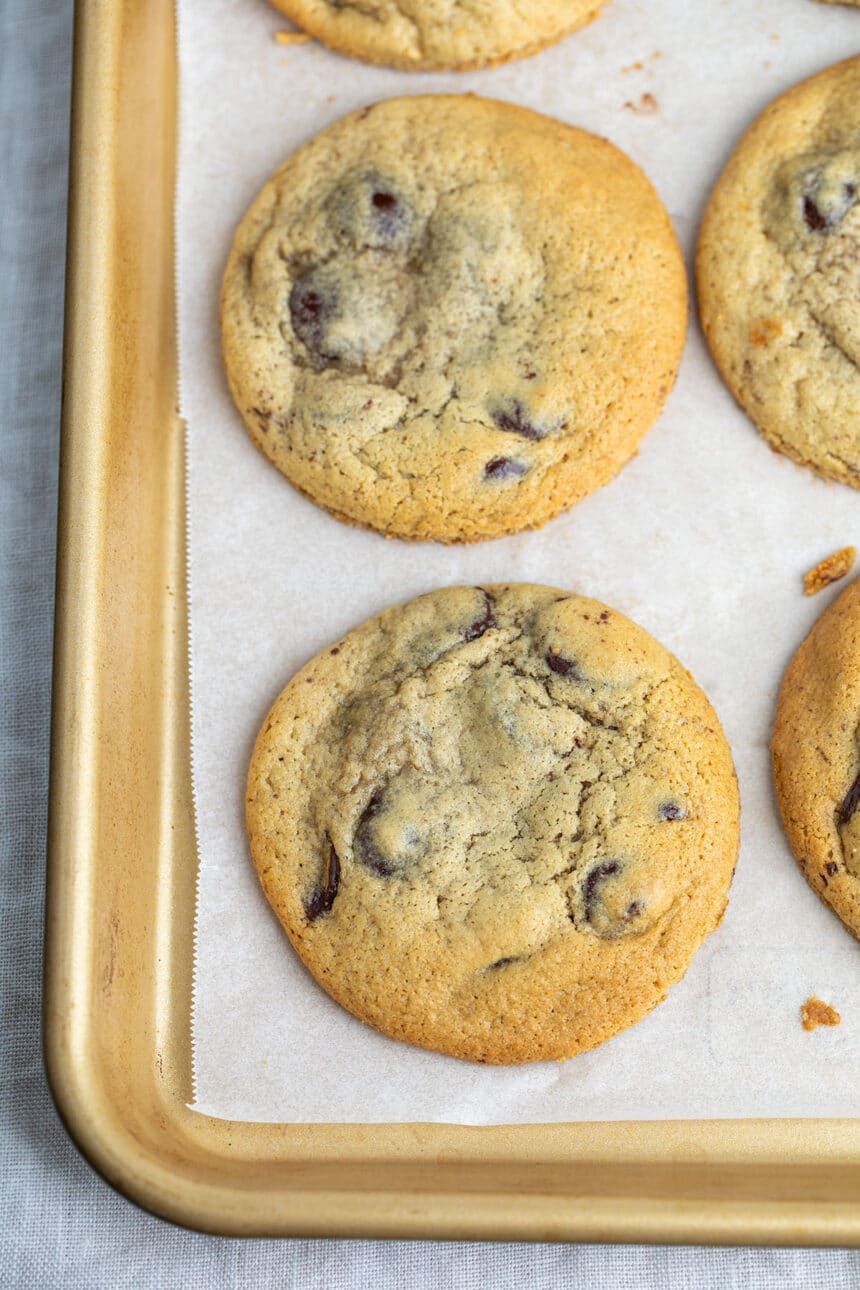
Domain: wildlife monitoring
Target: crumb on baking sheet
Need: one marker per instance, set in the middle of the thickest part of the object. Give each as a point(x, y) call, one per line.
point(815, 1012)
point(647, 105)
point(830, 570)
point(292, 37)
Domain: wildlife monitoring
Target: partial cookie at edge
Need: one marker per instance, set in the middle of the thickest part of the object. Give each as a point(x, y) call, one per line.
point(816, 756)
point(778, 269)
point(427, 39)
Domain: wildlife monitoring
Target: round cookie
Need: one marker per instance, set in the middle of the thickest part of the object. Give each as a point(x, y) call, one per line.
point(450, 318)
point(779, 272)
point(816, 756)
point(439, 35)
point(496, 822)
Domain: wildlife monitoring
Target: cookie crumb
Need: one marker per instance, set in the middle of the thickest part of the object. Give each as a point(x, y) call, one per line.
point(830, 570)
point(646, 106)
point(292, 37)
point(815, 1013)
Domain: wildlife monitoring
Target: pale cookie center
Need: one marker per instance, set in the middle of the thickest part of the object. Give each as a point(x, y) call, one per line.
point(503, 784)
point(442, 305)
point(813, 215)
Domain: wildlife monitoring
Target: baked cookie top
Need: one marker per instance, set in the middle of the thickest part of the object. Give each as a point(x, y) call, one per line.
point(452, 318)
point(779, 272)
point(496, 822)
point(816, 756)
point(427, 35)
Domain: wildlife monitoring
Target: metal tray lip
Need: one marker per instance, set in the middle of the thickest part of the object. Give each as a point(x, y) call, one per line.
point(207, 1197)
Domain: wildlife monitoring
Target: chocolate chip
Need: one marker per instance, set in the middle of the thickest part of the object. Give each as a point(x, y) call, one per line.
point(483, 624)
point(502, 963)
point(322, 897)
point(511, 417)
point(832, 867)
point(851, 802)
point(506, 468)
point(564, 666)
point(364, 847)
point(671, 811)
point(312, 306)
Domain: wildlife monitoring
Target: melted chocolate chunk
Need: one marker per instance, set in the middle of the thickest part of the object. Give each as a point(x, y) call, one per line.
point(594, 878)
point(511, 418)
point(671, 811)
point(483, 624)
point(391, 216)
point(812, 216)
point(819, 216)
point(312, 306)
point(851, 802)
point(322, 897)
point(502, 963)
point(369, 211)
point(364, 847)
point(506, 468)
point(601, 911)
point(564, 666)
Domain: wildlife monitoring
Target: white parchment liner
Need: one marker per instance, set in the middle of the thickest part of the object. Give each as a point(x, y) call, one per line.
point(702, 539)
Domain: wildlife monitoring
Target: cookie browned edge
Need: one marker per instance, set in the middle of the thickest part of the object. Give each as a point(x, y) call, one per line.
point(508, 1053)
point(605, 468)
point(810, 781)
point(321, 31)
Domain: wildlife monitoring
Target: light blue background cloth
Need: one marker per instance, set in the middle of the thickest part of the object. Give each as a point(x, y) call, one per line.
point(60, 1224)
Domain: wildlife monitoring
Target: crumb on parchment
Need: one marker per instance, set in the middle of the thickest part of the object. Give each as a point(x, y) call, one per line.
point(647, 105)
point(815, 1012)
point(830, 570)
point(292, 37)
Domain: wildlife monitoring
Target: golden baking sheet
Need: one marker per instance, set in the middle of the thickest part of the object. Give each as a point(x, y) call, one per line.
point(122, 861)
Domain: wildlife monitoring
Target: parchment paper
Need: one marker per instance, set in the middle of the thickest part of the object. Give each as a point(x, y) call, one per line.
point(702, 539)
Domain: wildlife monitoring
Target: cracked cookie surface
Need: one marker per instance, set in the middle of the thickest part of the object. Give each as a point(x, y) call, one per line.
point(426, 35)
point(496, 822)
point(779, 272)
point(450, 318)
point(816, 756)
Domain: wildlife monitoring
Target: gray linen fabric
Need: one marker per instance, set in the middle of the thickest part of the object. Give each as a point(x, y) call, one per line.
point(60, 1225)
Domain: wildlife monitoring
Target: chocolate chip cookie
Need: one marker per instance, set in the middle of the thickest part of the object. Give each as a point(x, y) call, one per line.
point(495, 821)
point(449, 318)
point(438, 35)
point(816, 756)
point(779, 273)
